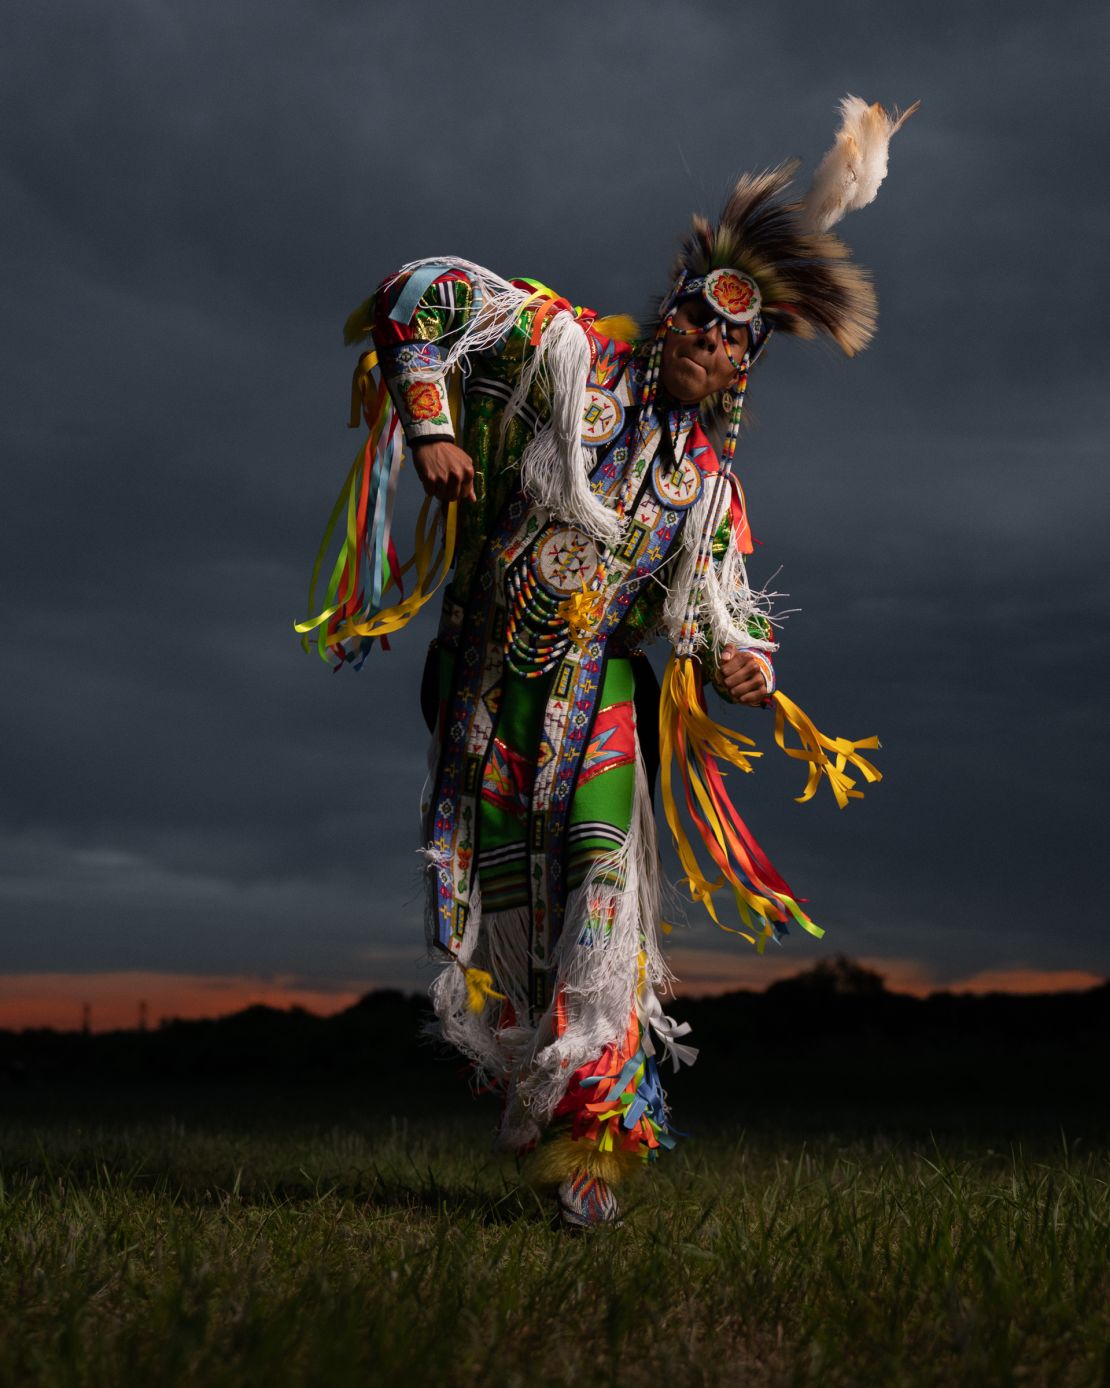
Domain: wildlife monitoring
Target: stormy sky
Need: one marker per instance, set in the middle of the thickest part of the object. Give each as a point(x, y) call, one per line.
point(197, 194)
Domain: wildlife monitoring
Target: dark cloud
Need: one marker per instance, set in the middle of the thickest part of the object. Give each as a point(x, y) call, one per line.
point(197, 195)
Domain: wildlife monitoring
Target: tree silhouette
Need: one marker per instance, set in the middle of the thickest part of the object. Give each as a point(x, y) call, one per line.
point(836, 977)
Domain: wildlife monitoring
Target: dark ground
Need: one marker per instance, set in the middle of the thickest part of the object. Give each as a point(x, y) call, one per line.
point(828, 1051)
point(871, 1189)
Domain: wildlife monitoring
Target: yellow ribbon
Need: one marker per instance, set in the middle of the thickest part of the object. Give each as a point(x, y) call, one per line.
point(705, 741)
point(347, 499)
point(311, 623)
point(581, 613)
point(360, 386)
point(680, 705)
point(814, 749)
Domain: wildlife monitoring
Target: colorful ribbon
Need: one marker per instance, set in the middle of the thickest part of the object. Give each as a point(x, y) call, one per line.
point(366, 566)
point(688, 735)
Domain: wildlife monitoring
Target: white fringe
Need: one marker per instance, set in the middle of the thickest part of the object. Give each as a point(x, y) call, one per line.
point(598, 965)
point(598, 973)
point(492, 316)
point(555, 464)
point(723, 604)
point(505, 937)
point(457, 1024)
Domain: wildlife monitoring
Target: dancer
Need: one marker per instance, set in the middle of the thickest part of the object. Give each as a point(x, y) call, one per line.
point(586, 512)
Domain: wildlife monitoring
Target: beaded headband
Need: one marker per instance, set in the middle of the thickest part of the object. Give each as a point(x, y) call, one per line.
point(730, 293)
point(734, 298)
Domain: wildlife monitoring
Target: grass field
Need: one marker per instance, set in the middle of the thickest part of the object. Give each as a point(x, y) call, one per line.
point(225, 1250)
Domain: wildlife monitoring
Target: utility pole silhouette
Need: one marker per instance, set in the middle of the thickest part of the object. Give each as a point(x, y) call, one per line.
point(86, 1018)
point(142, 1014)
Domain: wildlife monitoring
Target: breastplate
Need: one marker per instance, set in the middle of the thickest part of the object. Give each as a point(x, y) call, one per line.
point(560, 583)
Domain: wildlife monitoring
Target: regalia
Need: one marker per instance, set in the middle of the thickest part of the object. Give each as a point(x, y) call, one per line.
point(607, 516)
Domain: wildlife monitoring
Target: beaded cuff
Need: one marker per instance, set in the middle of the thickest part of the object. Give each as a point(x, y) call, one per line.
point(414, 374)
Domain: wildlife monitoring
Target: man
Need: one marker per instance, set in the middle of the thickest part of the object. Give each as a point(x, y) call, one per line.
point(592, 515)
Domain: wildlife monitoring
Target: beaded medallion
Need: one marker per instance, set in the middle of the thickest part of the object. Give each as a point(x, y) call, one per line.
point(678, 487)
point(566, 560)
point(602, 416)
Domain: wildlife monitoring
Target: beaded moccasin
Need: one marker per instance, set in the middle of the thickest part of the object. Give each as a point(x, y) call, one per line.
point(587, 1202)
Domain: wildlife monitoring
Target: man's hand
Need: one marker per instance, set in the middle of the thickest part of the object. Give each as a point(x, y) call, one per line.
point(743, 677)
point(445, 470)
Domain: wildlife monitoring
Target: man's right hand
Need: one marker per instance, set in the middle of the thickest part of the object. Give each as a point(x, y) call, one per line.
point(445, 470)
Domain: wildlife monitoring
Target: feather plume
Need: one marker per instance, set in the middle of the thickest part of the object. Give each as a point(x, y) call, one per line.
point(619, 326)
point(849, 175)
point(806, 281)
point(359, 322)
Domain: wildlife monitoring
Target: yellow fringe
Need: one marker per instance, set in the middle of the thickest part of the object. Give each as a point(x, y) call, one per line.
point(479, 989)
point(560, 1157)
point(359, 321)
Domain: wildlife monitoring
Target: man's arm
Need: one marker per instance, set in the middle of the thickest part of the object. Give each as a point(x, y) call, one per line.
point(739, 673)
point(411, 342)
point(421, 321)
point(412, 319)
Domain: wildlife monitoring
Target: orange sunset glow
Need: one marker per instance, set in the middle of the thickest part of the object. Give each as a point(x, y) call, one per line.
point(114, 1000)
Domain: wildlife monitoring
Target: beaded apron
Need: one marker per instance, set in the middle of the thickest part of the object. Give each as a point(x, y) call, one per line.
point(545, 601)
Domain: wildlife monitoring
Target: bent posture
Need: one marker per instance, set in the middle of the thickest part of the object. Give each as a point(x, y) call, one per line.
point(587, 514)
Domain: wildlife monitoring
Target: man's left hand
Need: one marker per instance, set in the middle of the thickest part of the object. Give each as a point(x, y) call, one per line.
point(743, 677)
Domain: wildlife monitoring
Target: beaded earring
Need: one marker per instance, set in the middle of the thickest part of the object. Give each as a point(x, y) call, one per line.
point(655, 351)
point(653, 365)
point(733, 403)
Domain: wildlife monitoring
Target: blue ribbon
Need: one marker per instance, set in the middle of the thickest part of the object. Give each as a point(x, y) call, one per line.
point(628, 1074)
point(376, 538)
point(409, 298)
point(634, 1112)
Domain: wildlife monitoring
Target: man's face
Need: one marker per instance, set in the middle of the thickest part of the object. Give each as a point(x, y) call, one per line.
point(696, 366)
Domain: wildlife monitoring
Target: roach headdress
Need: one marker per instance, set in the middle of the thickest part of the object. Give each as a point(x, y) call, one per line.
point(771, 262)
point(804, 280)
point(802, 277)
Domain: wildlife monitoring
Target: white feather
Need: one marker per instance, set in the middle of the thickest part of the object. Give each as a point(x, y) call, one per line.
point(849, 175)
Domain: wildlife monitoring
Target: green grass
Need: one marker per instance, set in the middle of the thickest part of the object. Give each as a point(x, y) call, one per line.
point(221, 1252)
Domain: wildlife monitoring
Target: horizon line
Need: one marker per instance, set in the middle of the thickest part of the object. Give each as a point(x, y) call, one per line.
point(101, 1001)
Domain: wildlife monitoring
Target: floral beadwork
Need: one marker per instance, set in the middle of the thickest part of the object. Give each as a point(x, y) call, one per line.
point(424, 402)
point(732, 293)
